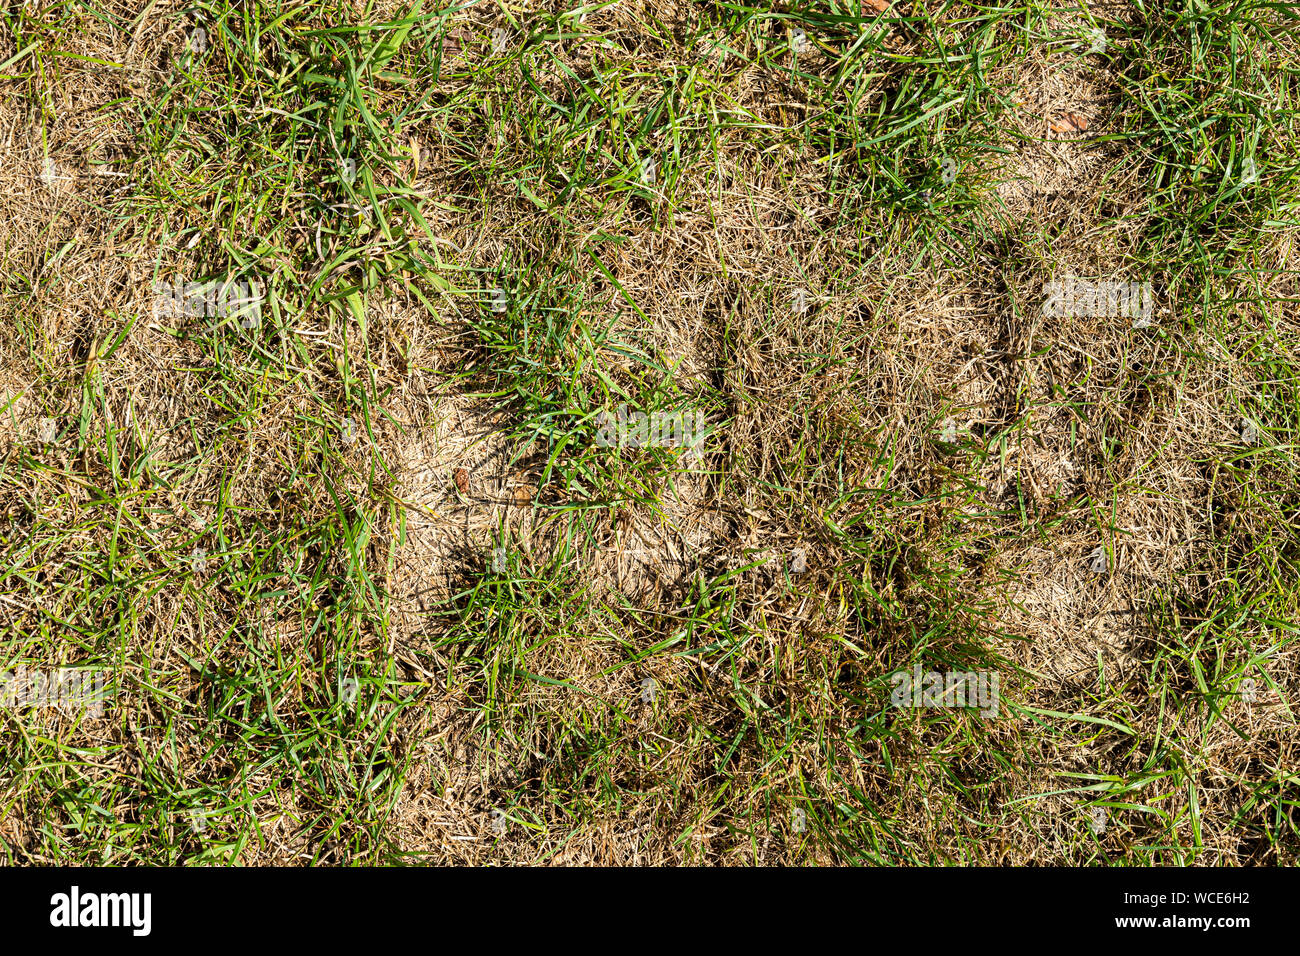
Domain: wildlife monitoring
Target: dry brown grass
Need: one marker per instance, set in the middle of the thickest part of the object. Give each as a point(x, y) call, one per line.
point(332, 559)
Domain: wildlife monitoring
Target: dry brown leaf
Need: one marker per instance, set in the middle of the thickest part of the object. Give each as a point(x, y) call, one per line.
point(1070, 124)
point(454, 41)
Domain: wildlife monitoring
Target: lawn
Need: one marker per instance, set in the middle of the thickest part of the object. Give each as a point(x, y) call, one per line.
point(504, 434)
